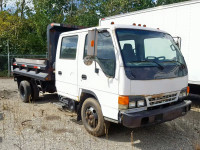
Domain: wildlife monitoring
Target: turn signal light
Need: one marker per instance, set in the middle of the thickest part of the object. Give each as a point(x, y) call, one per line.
point(92, 43)
point(123, 102)
point(188, 90)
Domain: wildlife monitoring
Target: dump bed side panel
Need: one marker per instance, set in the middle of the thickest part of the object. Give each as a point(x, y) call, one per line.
point(33, 68)
point(31, 61)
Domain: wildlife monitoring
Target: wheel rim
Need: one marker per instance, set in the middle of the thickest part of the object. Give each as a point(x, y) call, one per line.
point(22, 91)
point(91, 117)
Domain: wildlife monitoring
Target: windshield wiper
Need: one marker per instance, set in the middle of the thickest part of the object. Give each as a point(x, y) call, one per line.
point(159, 65)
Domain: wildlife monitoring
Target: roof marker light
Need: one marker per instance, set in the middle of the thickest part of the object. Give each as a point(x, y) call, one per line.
point(52, 24)
point(139, 25)
point(112, 22)
point(144, 25)
point(158, 28)
point(134, 24)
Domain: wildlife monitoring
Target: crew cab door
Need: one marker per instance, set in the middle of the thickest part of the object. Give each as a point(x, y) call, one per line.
point(66, 66)
point(101, 77)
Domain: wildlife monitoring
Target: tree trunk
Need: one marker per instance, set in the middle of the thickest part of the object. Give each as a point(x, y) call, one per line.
point(1, 5)
point(22, 8)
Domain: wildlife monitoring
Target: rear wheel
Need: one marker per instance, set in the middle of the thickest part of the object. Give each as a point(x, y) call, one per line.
point(25, 91)
point(92, 117)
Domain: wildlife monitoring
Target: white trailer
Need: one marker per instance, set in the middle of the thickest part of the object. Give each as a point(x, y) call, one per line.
point(179, 19)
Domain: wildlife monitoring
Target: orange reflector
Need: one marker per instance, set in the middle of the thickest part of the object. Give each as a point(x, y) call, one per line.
point(52, 24)
point(134, 24)
point(102, 18)
point(123, 100)
point(144, 25)
point(112, 22)
point(139, 24)
point(188, 89)
point(92, 43)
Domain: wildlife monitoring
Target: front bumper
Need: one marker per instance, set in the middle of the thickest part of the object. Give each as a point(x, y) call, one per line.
point(149, 117)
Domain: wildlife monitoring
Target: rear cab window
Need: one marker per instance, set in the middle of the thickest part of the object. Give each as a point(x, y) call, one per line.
point(69, 47)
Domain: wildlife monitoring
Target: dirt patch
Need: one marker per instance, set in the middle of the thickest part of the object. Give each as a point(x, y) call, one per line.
point(6, 107)
point(53, 118)
point(1, 116)
point(44, 127)
point(27, 124)
point(40, 125)
point(6, 94)
point(59, 131)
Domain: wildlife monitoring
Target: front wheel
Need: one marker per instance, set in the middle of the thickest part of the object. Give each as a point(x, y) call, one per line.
point(92, 117)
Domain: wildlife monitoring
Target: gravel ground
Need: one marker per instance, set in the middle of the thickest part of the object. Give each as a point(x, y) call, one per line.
point(42, 126)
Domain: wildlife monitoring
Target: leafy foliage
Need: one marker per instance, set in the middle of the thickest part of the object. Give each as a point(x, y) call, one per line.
point(25, 27)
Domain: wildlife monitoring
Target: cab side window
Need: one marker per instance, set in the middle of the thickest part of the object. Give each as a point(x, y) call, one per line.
point(69, 47)
point(105, 53)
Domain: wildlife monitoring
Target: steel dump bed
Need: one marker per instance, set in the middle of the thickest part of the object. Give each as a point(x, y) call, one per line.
point(33, 68)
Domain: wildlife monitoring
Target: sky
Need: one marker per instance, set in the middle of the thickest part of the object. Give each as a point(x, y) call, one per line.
point(11, 4)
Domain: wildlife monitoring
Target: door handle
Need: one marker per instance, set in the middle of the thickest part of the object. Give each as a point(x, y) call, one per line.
point(60, 72)
point(84, 77)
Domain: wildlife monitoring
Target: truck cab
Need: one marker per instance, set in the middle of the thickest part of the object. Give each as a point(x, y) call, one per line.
point(134, 76)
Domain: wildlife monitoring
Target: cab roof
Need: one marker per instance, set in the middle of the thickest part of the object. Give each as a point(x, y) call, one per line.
point(113, 27)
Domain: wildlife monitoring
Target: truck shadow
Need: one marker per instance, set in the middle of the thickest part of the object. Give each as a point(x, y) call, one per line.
point(194, 95)
point(47, 98)
point(195, 98)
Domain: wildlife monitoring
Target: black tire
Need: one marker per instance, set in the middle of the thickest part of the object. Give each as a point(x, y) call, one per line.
point(25, 91)
point(96, 126)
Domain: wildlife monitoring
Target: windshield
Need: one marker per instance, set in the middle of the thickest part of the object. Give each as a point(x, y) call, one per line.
point(141, 49)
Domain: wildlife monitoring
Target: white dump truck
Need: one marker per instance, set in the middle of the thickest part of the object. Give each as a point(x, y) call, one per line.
point(181, 20)
point(126, 74)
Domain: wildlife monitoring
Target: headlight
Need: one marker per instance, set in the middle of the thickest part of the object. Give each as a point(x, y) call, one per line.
point(140, 103)
point(183, 93)
point(136, 101)
point(132, 104)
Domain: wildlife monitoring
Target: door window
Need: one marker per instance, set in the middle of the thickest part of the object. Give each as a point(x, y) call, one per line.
point(69, 47)
point(105, 53)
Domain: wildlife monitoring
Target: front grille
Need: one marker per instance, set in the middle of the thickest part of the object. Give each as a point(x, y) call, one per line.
point(153, 101)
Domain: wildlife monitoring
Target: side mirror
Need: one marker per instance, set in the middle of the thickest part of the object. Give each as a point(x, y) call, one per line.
point(177, 41)
point(92, 43)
